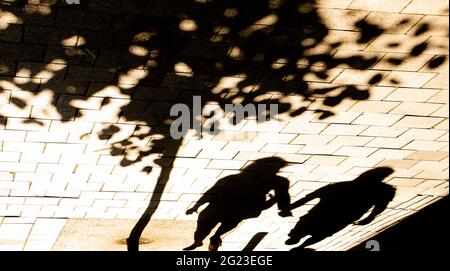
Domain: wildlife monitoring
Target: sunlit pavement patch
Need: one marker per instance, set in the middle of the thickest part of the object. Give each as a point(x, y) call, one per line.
point(111, 234)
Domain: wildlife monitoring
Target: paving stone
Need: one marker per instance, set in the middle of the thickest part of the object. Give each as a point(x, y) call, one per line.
point(13, 33)
point(28, 15)
point(22, 52)
point(377, 119)
point(424, 7)
point(436, 25)
point(341, 19)
point(441, 112)
point(282, 148)
point(407, 79)
point(339, 117)
point(443, 138)
point(435, 165)
point(350, 140)
point(345, 39)
point(405, 182)
point(378, 93)
point(423, 145)
point(381, 5)
point(422, 134)
point(443, 125)
point(342, 129)
point(348, 55)
point(304, 128)
point(393, 22)
point(333, 4)
point(319, 149)
point(70, 55)
point(120, 6)
point(433, 174)
point(397, 163)
point(396, 43)
point(330, 74)
point(416, 109)
point(403, 62)
point(384, 131)
point(355, 151)
point(381, 142)
point(438, 64)
point(275, 138)
point(412, 95)
point(78, 19)
point(439, 81)
point(226, 164)
point(390, 154)
point(358, 77)
point(48, 35)
point(325, 160)
point(373, 106)
point(418, 122)
point(437, 45)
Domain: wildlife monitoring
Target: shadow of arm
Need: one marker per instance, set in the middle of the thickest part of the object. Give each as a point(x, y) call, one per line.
point(304, 200)
point(204, 199)
point(380, 205)
point(283, 198)
point(214, 193)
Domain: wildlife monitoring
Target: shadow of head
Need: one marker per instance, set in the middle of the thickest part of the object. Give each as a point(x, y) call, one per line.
point(376, 175)
point(268, 165)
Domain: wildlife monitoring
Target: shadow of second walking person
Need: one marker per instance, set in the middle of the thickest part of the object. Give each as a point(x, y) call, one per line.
point(342, 204)
point(241, 196)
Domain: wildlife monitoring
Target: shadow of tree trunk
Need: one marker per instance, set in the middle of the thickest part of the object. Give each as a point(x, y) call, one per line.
point(155, 200)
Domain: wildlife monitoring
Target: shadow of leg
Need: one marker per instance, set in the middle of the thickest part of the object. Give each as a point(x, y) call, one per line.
point(207, 220)
point(256, 239)
point(225, 226)
point(310, 241)
point(195, 245)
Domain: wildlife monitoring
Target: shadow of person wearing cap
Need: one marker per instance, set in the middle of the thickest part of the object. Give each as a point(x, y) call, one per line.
point(342, 204)
point(238, 197)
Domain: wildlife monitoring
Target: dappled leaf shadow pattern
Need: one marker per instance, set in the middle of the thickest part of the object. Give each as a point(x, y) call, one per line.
point(170, 50)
